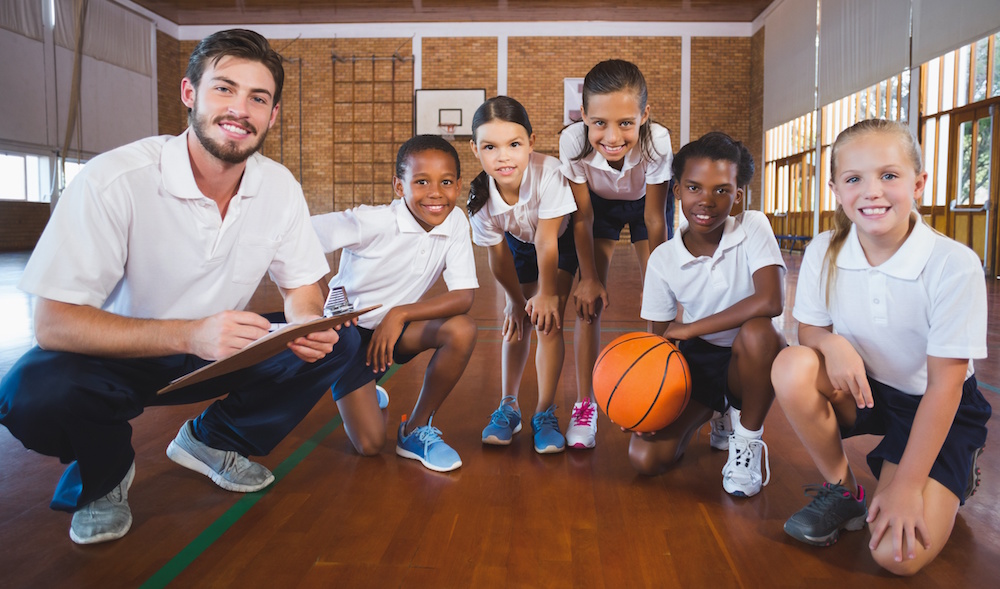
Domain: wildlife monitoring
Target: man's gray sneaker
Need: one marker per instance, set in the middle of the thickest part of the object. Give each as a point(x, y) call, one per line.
point(107, 518)
point(230, 470)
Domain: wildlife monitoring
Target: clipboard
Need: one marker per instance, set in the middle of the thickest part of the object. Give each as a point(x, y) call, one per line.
point(262, 349)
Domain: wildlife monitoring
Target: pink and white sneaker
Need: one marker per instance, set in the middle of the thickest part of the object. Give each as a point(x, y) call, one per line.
point(582, 430)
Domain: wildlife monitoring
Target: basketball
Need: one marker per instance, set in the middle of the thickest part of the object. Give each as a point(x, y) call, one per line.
point(641, 382)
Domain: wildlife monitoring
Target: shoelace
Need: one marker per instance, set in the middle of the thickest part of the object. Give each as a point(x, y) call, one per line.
point(546, 418)
point(823, 496)
point(584, 413)
point(499, 417)
point(745, 455)
point(234, 462)
point(428, 434)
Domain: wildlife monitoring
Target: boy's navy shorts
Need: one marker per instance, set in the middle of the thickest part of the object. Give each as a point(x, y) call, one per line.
point(611, 216)
point(709, 365)
point(526, 258)
point(892, 417)
point(358, 378)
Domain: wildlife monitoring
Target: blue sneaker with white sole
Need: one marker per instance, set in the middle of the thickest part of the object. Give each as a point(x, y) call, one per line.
point(548, 438)
point(425, 444)
point(383, 397)
point(504, 423)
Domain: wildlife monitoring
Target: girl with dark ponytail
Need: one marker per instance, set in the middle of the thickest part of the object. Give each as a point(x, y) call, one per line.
point(618, 164)
point(519, 208)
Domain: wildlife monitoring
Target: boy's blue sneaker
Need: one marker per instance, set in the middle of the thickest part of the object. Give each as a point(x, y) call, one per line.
point(383, 397)
point(548, 438)
point(425, 444)
point(504, 423)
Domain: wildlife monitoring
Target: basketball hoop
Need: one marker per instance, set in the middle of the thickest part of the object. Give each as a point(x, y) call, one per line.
point(447, 131)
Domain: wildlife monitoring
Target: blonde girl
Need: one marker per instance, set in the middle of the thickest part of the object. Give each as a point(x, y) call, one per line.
point(891, 314)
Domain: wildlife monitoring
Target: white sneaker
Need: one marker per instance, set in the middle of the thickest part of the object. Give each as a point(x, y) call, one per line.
point(741, 475)
point(582, 430)
point(722, 428)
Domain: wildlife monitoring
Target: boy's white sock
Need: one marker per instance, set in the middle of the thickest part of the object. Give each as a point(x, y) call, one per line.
point(739, 430)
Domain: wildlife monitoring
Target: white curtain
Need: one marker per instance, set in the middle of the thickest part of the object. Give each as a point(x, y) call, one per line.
point(789, 61)
point(942, 25)
point(861, 42)
point(113, 34)
point(23, 17)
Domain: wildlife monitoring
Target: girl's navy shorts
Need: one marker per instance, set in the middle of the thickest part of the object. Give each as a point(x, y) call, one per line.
point(526, 258)
point(363, 374)
point(611, 216)
point(892, 417)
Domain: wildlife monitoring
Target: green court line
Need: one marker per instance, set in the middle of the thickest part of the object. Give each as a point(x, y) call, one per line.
point(988, 387)
point(216, 529)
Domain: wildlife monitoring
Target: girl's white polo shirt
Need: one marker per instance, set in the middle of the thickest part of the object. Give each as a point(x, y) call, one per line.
point(928, 299)
point(630, 182)
point(387, 258)
point(707, 285)
point(544, 194)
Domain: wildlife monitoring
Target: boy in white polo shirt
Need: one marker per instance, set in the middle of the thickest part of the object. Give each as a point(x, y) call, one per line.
point(392, 255)
point(726, 272)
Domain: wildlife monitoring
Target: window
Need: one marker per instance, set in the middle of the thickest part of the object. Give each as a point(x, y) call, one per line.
point(29, 177)
point(789, 167)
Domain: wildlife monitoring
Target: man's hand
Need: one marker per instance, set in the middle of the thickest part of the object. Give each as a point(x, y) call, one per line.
point(223, 334)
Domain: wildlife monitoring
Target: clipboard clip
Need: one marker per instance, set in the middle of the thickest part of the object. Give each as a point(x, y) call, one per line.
point(337, 302)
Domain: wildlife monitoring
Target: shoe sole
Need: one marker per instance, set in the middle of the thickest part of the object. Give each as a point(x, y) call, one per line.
point(185, 459)
point(851, 525)
point(108, 536)
point(495, 441)
point(550, 449)
point(407, 454)
point(973, 484)
point(581, 445)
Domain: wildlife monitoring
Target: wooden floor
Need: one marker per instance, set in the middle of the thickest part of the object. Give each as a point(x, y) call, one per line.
point(507, 518)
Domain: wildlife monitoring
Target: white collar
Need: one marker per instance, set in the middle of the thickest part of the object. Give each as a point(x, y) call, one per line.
point(906, 264)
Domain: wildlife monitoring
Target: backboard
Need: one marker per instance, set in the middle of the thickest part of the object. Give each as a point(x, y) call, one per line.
point(446, 112)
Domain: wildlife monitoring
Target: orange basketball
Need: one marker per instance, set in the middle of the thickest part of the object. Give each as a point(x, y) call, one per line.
point(642, 382)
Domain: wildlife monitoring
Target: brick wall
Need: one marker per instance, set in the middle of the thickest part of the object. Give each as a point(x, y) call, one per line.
point(365, 121)
point(537, 66)
point(720, 88)
point(21, 224)
point(755, 139)
point(170, 66)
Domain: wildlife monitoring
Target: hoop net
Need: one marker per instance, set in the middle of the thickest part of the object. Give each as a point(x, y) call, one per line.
point(448, 132)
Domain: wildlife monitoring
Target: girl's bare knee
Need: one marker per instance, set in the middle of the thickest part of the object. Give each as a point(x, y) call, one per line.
point(369, 446)
point(461, 332)
point(908, 567)
point(794, 368)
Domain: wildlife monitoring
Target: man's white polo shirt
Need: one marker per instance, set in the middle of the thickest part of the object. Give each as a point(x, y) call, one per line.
point(134, 235)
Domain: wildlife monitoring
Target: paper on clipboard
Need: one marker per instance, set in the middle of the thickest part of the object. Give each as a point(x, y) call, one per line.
point(262, 349)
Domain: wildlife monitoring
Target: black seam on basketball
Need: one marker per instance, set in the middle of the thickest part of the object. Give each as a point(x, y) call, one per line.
point(608, 349)
point(605, 351)
point(659, 389)
point(625, 373)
